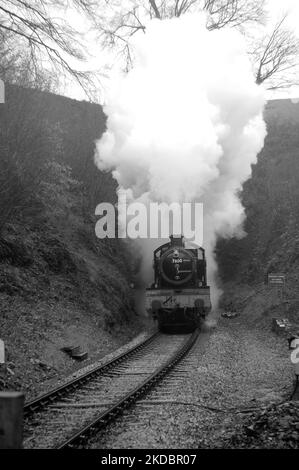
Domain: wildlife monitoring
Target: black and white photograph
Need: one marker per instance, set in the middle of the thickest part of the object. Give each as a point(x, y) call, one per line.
point(149, 229)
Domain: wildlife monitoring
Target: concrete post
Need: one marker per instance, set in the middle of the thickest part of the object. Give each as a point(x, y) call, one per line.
point(11, 420)
point(2, 92)
point(2, 352)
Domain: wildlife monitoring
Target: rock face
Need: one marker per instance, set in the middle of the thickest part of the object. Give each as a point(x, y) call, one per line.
point(270, 199)
point(80, 295)
point(59, 284)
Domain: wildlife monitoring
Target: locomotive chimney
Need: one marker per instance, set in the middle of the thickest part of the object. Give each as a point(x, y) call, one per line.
point(177, 240)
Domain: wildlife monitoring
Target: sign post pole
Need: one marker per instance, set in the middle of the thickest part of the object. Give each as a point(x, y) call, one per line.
point(11, 420)
point(2, 352)
point(278, 280)
point(2, 92)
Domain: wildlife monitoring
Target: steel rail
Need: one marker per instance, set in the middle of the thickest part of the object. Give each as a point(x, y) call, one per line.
point(80, 437)
point(55, 394)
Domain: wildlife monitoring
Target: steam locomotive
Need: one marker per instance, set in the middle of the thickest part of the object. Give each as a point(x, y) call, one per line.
point(179, 298)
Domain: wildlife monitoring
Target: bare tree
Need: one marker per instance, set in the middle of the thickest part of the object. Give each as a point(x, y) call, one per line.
point(17, 68)
point(117, 24)
point(276, 57)
point(234, 13)
point(34, 24)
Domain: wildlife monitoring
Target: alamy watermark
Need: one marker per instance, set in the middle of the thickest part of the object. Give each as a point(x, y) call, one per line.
point(149, 220)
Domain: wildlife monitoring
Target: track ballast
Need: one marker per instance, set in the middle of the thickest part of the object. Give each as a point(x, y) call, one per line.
point(69, 415)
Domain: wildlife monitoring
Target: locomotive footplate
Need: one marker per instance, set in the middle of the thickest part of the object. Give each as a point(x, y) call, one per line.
point(170, 300)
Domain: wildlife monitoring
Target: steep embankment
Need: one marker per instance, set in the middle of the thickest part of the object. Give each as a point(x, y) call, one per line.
point(59, 284)
point(270, 199)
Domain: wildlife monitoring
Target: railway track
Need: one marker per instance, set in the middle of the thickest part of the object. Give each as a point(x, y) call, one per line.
point(155, 420)
point(69, 415)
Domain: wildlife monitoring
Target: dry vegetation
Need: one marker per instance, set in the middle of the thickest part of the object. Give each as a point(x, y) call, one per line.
point(270, 198)
point(59, 284)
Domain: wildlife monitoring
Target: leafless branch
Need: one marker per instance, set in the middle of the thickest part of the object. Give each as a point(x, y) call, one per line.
point(119, 24)
point(276, 57)
point(45, 36)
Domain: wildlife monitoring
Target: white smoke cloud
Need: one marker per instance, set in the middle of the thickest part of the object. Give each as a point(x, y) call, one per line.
point(186, 123)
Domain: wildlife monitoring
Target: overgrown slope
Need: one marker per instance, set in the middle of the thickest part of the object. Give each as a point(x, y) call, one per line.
point(59, 284)
point(271, 200)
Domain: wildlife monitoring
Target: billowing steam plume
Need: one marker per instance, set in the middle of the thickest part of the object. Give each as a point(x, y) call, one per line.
point(185, 124)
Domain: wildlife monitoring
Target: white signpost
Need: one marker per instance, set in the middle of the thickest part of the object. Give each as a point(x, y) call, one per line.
point(2, 352)
point(276, 279)
point(2, 92)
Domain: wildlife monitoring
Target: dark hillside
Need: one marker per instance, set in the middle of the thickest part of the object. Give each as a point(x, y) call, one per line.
point(271, 199)
point(59, 284)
